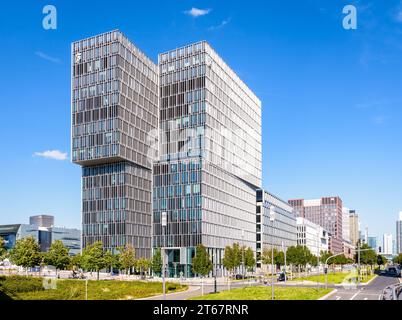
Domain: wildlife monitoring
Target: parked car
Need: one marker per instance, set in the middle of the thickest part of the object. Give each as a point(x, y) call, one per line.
point(393, 271)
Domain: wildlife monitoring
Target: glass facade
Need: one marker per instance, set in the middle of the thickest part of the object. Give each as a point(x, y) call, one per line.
point(209, 156)
point(114, 137)
point(282, 231)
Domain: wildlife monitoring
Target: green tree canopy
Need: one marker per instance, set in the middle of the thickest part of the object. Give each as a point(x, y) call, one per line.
point(398, 259)
point(232, 257)
point(127, 257)
point(202, 264)
point(94, 258)
point(157, 261)
point(249, 260)
point(279, 257)
point(3, 250)
point(26, 253)
point(142, 265)
point(75, 261)
point(299, 255)
point(367, 255)
point(57, 256)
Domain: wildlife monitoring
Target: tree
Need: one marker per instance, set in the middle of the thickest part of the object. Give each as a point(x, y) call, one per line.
point(75, 261)
point(368, 257)
point(249, 260)
point(157, 262)
point(3, 249)
point(26, 253)
point(324, 255)
point(57, 256)
point(232, 257)
point(127, 257)
point(94, 258)
point(279, 257)
point(381, 260)
point(113, 260)
point(299, 256)
point(398, 259)
point(202, 264)
point(142, 265)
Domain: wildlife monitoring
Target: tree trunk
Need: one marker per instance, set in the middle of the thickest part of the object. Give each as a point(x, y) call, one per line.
point(97, 275)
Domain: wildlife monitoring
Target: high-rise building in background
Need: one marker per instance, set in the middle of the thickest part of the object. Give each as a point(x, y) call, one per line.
point(42, 220)
point(387, 244)
point(345, 224)
point(312, 236)
point(354, 227)
point(372, 242)
point(326, 212)
point(114, 107)
point(279, 233)
point(399, 234)
point(210, 157)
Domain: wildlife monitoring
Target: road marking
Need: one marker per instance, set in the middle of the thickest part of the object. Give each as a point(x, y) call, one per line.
point(355, 295)
point(365, 298)
point(338, 297)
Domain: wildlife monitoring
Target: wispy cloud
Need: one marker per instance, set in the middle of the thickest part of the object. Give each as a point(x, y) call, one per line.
point(195, 12)
point(379, 120)
point(52, 154)
point(399, 16)
point(222, 24)
point(44, 56)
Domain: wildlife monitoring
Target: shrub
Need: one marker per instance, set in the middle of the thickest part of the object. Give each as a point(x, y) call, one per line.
point(171, 287)
point(15, 284)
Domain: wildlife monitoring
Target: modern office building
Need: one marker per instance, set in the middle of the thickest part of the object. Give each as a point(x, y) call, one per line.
point(399, 234)
point(345, 224)
point(326, 212)
point(372, 242)
point(42, 220)
point(312, 236)
point(387, 244)
point(70, 237)
point(209, 157)
point(279, 233)
point(114, 124)
point(354, 227)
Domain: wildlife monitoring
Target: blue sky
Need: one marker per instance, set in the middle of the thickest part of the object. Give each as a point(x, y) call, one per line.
point(332, 98)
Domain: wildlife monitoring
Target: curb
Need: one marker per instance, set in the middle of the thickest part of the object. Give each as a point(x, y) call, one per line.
point(367, 283)
point(190, 289)
point(328, 294)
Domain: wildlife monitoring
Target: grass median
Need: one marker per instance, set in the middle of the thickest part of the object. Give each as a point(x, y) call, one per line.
point(33, 288)
point(336, 278)
point(264, 293)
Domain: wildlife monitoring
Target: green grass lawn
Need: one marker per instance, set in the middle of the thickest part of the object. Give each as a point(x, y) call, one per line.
point(335, 278)
point(31, 288)
point(264, 293)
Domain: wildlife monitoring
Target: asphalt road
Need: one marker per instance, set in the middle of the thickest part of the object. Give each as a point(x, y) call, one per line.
point(372, 291)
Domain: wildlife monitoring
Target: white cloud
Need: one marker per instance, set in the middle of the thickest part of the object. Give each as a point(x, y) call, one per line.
point(52, 154)
point(399, 16)
point(222, 24)
point(44, 56)
point(195, 12)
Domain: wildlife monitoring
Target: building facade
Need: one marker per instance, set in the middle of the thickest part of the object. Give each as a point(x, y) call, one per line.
point(209, 157)
point(114, 124)
point(326, 212)
point(354, 227)
point(280, 233)
point(387, 244)
point(312, 236)
point(45, 236)
point(399, 234)
point(345, 224)
point(372, 242)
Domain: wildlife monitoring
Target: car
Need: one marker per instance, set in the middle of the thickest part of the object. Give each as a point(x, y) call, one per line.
point(393, 272)
point(282, 276)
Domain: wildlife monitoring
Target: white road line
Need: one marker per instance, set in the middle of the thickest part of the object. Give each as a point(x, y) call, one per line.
point(338, 297)
point(365, 298)
point(355, 295)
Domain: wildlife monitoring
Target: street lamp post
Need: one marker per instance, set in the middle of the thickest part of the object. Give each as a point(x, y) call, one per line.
point(272, 219)
point(326, 264)
point(215, 284)
point(242, 252)
point(163, 224)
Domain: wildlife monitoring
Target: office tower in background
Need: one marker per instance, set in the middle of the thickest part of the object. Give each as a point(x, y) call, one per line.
point(114, 107)
point(326, 212)
point(354, 227)
point(387, 244)
point(399, 234)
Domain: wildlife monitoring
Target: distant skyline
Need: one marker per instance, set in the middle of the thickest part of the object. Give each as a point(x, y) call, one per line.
point(332, 98)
